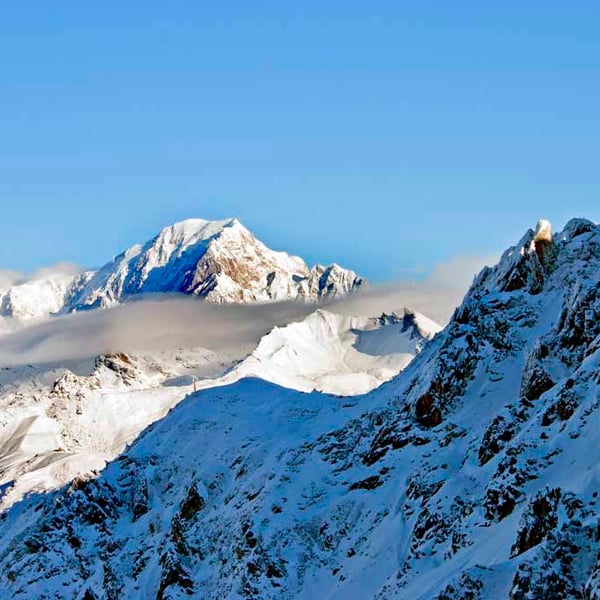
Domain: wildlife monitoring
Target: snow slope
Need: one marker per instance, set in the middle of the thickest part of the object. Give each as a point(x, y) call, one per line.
point(41, 296)
point(337, 354)
point(472, 474)
point(59, 421)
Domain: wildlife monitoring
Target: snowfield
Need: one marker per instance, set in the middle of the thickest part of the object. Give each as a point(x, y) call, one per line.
point(471, 474)
point(58, 422)
point(337, 354)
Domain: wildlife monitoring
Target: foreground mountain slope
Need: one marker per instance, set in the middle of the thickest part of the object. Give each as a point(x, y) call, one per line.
point(471, 475)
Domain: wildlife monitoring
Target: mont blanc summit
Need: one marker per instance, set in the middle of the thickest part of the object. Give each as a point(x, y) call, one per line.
point(219, 261)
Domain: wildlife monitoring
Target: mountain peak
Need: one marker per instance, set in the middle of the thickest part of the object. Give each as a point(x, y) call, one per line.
point(196, 223)
point(193, 230)
point(543, 231)
point(220, 261)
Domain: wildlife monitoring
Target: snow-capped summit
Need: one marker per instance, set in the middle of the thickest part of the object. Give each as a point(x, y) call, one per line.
point(220, 261)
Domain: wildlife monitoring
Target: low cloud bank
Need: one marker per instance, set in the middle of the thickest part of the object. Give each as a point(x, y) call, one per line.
point(158, 323)
point(143, 326)
point(8, 278)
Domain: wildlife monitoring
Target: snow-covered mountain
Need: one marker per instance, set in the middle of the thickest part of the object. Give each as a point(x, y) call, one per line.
point(472, 474)
point(220, 261)
point(217, 260)
point(58, 421)
point(337, 354)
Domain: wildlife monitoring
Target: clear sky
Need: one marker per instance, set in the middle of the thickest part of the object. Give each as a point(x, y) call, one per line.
point(385, 135)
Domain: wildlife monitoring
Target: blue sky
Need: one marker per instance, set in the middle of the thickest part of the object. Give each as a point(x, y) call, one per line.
point(387, 135)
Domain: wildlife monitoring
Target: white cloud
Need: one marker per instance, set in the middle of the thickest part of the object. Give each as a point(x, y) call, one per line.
point(62, 268)
point(146, 325)
point(8, 278)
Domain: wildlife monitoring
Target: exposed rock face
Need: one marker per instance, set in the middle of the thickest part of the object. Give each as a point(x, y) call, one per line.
point(543, 232)
point(329, 282)
point(526, 265)
point(473, 474)
point(121, 364)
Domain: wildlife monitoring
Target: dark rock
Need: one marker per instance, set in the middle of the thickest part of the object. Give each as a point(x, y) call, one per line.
point(370, 483)
point(139, 500)
point(498, 434)
point(192, 503)
point(539, 518)
point(535, 383)
point(173, 575)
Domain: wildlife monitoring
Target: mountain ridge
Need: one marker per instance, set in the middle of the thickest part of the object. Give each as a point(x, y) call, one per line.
point(59, 419)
